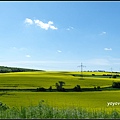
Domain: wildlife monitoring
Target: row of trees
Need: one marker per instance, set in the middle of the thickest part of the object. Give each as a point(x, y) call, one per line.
point(59, 87)
point(4, 69)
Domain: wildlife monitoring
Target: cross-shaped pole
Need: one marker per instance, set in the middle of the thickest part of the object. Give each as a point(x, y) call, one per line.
point(81, 66)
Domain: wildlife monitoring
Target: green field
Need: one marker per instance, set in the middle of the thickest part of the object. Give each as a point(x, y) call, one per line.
point(90, 100)
point(26, 80)
point(47, 79)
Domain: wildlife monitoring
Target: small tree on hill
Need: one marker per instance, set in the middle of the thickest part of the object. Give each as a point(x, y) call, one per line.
point(60, 85)
point(77, 88)
point(50, 88)
point(116, 84)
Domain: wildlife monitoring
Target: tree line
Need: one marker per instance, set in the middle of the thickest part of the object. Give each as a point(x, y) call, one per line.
point(5, 69)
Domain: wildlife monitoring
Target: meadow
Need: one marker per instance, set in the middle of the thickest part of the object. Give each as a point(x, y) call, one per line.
point(46, 111)
point(90, 100)
point(29, 80)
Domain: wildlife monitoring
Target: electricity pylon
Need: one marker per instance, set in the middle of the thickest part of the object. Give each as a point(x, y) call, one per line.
point(81, 66)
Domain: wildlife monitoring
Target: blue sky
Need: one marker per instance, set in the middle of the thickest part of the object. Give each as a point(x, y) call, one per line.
point(60, 35)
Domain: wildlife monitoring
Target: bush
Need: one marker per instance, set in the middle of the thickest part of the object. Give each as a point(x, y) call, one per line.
point(98, 87)
point(41, 89)
point(114, 76)
point(116, 85)
point(95, 88)
point(63, 90)
point(50, 88)
point(77, 88)
point(3, 106)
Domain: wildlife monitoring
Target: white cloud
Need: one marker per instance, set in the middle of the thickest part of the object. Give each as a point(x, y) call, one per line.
point(59, 51)
point(103, 33)
point(108, 49)
point(50, 22)
point(53, 27)
point(28, 21)
point(41, 24)
point(45, 26)
point(28, 56)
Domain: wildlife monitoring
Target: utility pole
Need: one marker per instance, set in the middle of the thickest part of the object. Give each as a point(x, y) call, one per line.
point(81, 66)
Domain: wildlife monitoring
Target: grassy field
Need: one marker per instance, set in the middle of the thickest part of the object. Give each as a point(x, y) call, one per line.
point(46, 111)
point(47, 79)
point(89, 100)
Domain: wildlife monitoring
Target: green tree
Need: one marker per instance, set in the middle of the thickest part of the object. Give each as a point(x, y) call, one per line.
point(77, 88)
point(59, 85)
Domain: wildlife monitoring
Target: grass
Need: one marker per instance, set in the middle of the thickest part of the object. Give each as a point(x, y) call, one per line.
point(28, 80)
point(59, 104)
point(45, 111)
point(88, 100)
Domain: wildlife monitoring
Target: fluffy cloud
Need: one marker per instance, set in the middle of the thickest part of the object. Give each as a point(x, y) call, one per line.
point(108, 49)
point(28, 21)
point(41, 24)
point(45, 26)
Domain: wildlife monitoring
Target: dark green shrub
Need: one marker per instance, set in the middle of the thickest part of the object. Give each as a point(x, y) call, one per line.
point(77, 88)
point(98, 87)
point(95, 88)
point(114, 76)
point(41, 89)
point(116, 84)
point(3, 106)
point(50, 88)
